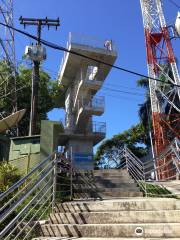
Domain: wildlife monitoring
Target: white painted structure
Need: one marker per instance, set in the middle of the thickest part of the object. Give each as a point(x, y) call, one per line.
point(82, 78)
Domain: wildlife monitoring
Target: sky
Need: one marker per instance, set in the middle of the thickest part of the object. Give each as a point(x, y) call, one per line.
point(119, 20)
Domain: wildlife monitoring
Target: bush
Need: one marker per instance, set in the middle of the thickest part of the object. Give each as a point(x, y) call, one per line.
point(8, 175)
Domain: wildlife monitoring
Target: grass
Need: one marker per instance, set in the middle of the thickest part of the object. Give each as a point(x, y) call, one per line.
point(152, 190)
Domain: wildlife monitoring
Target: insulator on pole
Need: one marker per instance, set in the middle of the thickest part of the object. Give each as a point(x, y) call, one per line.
point(177, 23)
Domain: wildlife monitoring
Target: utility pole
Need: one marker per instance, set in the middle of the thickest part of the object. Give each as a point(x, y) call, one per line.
point(36, 54)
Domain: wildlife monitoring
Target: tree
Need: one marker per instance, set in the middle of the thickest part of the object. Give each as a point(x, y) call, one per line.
point(136, 138)
point(51, 95)
point(145, 107)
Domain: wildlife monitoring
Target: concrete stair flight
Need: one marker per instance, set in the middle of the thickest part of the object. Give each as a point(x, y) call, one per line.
point(136, 218)
point(105, 184)
point(83, 238)
point(109, 212)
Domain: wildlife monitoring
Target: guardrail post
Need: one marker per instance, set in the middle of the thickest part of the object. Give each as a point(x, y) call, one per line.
point(144, 175)
point(71, 176)
point(54, 182)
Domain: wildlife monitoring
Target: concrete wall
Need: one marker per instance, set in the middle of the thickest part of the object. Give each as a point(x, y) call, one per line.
point(4, 147)
point(49, 137)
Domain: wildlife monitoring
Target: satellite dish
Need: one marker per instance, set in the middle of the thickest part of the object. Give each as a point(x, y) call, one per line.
point(11, 121)
point(177, 24)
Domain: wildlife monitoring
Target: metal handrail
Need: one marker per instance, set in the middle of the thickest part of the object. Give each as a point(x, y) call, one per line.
point(169, 169)
point(22, 189)
point(19, 223)
point(142, 172)
point(22, 180)
point(4, 215)
point(26, 198)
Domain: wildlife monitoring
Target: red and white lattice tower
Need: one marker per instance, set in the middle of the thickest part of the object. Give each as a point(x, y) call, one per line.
point(161, 62)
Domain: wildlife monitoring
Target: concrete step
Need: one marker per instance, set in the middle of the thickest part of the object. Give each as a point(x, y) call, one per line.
point(106, 184)
point(114, 179)
point(87, 188)
point(105, 173)
point(163, 216)
point(156, 230)
point(111, 174)
point(113, 170)
point(132, 204)
point(118, 178)
point(83, 238)
point(106, 194)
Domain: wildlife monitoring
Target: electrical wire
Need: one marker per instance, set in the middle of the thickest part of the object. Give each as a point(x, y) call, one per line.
point(107, 85)
point(57, 47)
point(120, 98)
point(121, 91)
point(175, 4)
point(140, 90)
point(117, 86)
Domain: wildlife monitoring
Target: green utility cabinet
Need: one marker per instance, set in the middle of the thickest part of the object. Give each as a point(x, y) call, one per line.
point(25, 152)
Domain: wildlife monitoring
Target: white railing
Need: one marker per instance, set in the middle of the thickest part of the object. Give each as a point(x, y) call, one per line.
point(80, 39)
point(91, 41)
point(95, 103)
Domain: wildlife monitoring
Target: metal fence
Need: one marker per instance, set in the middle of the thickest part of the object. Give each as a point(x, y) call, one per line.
point(147, 175)
point(79, 39)
point(98, 127)
point(33, 197)
point(91, 41)
point(95, 103)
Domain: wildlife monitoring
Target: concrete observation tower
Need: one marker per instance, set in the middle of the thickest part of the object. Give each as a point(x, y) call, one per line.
point(82, 78)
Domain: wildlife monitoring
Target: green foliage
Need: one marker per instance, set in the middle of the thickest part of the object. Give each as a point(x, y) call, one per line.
point(50, 93)
point(143, 82)
point(8, 175)
point(155, 190)
point(134, 138)
point(6, 80)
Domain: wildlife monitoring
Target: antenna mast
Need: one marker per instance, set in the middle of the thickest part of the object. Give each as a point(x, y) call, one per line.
point(7, 52)
point(161, 63)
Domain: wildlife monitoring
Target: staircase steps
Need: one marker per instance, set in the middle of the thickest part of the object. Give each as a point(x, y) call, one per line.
point(158, 230)
point(85, 238)
point(117, 217)
point(121, 214)
point(155, 218)
point(110, 183)
point(129, 204)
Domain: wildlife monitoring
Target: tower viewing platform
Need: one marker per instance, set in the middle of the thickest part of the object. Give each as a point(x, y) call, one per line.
point(82, 77)
point(73, 65)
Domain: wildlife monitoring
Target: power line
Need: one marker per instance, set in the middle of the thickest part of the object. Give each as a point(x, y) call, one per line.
point(121, 95)
point(121, 91)
point(139, 91)
point(57, 47)
point(123, 86)
point(175, 4)
point(122, 98)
